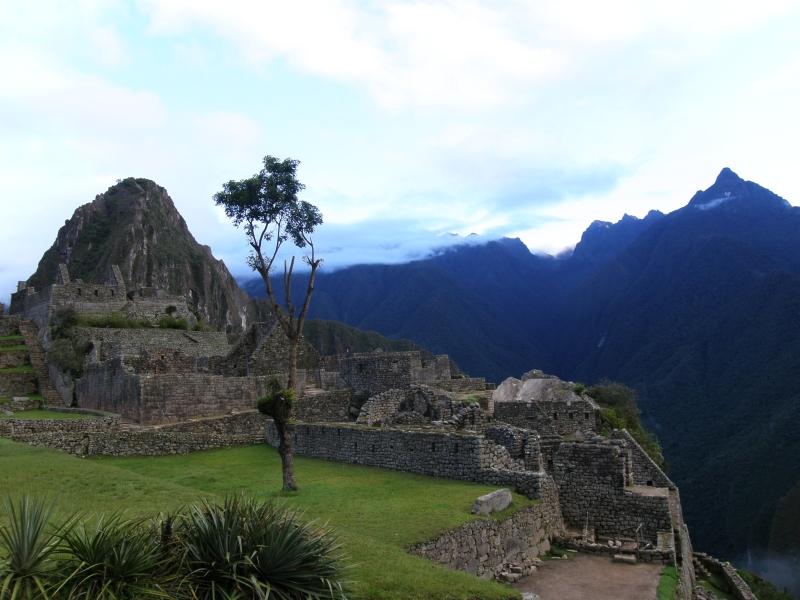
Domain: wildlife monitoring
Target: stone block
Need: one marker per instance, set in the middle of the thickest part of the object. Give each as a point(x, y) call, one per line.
point(496, 501)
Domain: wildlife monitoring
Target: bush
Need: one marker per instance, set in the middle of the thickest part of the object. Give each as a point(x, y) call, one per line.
point(579, 388)
point(250, 549)
point(618, 410)
point(278, 402)
point(169, 322)
point(115, 559)
point(29, 543)
point(62, 356)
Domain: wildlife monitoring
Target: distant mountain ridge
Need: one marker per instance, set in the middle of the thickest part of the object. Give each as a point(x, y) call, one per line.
point(699, 310)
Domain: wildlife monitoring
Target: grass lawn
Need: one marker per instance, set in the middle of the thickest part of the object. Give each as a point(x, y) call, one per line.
point(22, 369)
point(667, 584)
point(377, 512)
point(10, 338)
point(11, 348)
point(44, 414)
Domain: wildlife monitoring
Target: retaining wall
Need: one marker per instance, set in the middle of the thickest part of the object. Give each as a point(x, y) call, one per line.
point(484, 546)
point(592, 484)
point(437, 454)
point(21, 383)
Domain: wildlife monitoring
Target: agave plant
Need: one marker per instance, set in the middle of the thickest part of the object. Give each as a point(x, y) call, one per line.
point(30, 544)
point(250, 550)
point(114, 559)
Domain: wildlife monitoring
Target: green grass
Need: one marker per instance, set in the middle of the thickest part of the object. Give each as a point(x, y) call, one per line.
point(378, 513)
point(13, 348)
point(667, 584)
point(718, 585)
point(44, 414)
point(20, 369)
point(11, 338)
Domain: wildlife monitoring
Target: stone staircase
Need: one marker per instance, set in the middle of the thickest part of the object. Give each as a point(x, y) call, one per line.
point(17, 377)
point(30, 332)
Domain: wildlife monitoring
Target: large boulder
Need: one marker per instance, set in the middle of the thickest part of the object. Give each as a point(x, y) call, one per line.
point(496, 501)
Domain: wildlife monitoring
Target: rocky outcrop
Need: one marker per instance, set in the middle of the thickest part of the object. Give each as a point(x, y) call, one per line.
point(135, 225)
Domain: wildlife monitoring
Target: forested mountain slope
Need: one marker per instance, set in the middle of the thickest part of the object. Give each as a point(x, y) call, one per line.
point(699, 310)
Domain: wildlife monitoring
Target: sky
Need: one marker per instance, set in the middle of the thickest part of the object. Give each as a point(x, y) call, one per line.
point(411, 119)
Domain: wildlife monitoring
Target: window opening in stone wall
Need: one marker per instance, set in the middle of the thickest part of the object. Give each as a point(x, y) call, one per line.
point(585, 415)
point(650, 484)
point(372, 448)
point(571, 415)
point(112, 293)
point(433, 447)
point(555, 416)
point(339, 432)
point(355, 445)
point(360, 367)
point(455, 448)
point(79, 291)
point(550, 465)
point(96, 293)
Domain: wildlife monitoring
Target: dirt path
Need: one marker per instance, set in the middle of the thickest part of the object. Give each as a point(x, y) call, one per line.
point(587, 577)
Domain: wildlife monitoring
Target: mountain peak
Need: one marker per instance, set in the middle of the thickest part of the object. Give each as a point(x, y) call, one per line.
point(729, 186)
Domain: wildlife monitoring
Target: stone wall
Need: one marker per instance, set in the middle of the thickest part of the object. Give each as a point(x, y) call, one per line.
point(272, 354)
point(373, 373)
point(251, 423)
point(13, 428)
point(13, 358)
point(36, 356)
point(9, 324)
point(461, 385)
point(329, 407)
point(438, 454)
point(737, 585)
point(104, 436)
point(20, 405)
point(485, 546)
point(645, 470)
point(150, 399)
point(431, 370)
point(119, 342)
point(132, 443)
point(550, 417)
point(21, 383)
point(379, 409)
point(592, 480)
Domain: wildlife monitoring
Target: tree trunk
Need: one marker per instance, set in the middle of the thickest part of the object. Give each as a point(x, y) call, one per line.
point(285, 450)
point(293, 365)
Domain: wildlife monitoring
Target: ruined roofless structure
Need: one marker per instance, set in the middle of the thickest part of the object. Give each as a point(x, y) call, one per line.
point(153, 376)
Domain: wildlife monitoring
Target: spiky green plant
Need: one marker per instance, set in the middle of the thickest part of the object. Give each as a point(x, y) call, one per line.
point(115, 559)
point(251, 550)
point(29, 543)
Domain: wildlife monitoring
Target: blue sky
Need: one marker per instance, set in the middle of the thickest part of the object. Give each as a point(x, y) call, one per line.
point(411, 119)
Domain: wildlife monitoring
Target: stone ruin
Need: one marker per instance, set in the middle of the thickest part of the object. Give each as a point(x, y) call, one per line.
point(395, 410)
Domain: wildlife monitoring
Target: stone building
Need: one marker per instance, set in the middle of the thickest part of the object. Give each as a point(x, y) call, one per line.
point(95, 300)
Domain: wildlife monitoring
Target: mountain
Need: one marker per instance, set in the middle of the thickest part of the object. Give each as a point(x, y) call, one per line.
point(421, 302)
point(702, 315)
point(135, 225)
point(699, 310)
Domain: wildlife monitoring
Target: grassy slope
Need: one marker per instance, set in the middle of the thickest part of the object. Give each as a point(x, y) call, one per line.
point(378, 512)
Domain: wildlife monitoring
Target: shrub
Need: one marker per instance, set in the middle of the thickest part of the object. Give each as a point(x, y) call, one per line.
point(278, 402)
point(618, 410)
point(579, 388)
point(63, 357)
point(30, 544)
point(169, 322)
point(115, 559)
point(247, 549)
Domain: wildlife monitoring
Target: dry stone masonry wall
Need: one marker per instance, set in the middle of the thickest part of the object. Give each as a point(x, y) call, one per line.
point(486, 546)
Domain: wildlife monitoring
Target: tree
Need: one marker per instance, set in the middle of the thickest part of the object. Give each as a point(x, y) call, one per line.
point(267, 207)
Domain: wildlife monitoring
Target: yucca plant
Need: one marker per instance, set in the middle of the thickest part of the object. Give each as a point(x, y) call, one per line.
point(250, 550)
point(115, 559)
point(29, 544)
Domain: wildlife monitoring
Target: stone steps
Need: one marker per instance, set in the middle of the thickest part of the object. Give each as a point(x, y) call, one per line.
point(47, 388)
